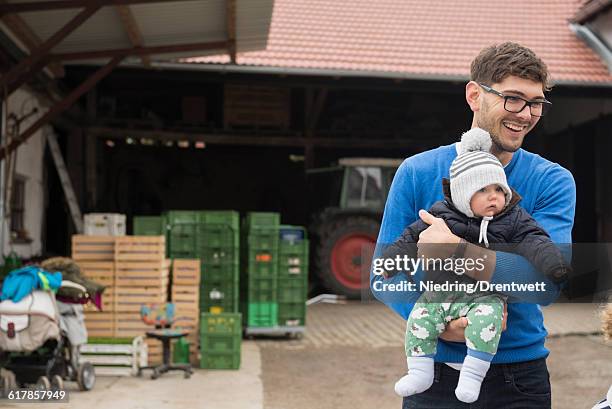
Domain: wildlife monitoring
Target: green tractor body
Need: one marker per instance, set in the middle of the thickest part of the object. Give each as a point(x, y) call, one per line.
point(346, 233)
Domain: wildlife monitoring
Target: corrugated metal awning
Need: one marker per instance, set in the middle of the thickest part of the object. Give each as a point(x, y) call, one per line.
point(163, 29)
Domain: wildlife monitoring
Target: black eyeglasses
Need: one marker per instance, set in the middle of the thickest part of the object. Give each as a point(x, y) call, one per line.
point(515, 104)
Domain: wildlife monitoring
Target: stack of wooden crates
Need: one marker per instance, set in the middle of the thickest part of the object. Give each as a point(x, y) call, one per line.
point(135, 271)
point(185, 295)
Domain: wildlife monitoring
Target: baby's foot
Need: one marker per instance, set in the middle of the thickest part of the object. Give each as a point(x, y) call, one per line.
point(419, 379)
point(471, 376)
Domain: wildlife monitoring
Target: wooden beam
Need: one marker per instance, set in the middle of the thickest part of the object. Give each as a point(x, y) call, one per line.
point(230, 7)
point(61, 106)
point(28, 37)
point(245, 140)
point(124, 52)
point(69, 4)
point(315, 113)
point(43, 50)
point(132, 30)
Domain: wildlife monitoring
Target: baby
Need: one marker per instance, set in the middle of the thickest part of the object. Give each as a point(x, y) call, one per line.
point(480, 208)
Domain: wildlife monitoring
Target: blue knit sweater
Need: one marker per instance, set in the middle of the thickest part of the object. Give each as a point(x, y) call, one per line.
point(549, 195)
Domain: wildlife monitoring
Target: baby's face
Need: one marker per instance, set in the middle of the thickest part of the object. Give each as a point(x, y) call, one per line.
point(488, 201)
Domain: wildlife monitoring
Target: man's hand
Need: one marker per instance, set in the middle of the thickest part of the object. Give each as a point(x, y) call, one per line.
point(455, 330)
point(432, 240)
point(437, 232)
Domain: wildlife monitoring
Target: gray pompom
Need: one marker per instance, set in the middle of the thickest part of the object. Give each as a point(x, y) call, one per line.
point(475, 139)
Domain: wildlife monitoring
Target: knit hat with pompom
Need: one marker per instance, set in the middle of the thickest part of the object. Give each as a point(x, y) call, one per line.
point(474, 168)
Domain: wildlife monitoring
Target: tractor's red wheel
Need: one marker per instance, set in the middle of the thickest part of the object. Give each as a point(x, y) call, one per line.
point(344, 255)
point(347, 258)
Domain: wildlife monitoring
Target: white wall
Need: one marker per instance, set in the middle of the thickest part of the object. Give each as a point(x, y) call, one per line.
point(30, 156)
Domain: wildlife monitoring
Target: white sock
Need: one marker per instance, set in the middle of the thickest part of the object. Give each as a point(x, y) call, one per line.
point(471, 376)
point(420, 376)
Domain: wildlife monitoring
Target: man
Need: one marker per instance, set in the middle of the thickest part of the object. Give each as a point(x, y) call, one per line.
point(506, 96)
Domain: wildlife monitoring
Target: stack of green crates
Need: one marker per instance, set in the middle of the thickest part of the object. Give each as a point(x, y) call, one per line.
point(149, 225)
point(213, 236)
point(260, 258)
point(220, 340)
point(218, 248)
point(292, 285)
point(181, 238)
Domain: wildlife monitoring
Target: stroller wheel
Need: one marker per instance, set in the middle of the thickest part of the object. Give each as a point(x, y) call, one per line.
point(57, 383)
point(43, 384)
point(86, 376)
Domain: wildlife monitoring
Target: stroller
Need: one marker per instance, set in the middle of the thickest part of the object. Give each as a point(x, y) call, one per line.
point(39, 343)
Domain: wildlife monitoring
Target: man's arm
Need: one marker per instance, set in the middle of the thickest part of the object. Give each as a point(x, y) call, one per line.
point(554, 211)
point(399, 213)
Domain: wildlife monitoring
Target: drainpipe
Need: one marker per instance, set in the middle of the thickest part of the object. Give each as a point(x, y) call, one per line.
point(594, 42)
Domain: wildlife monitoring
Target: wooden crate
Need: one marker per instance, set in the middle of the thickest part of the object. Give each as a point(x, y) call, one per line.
point(142, 273)
point(130, 324)
point(93, 248)
point(155, 351)
point(102, 272)
point(130, 299)
point(185, 297)
point(100, 324)
point(186, 272)
point(140, 248)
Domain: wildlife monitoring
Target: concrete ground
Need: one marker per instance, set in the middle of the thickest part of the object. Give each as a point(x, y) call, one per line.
point(350, 357)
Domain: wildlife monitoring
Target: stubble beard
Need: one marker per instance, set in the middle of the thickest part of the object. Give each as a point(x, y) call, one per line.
point(488, 124)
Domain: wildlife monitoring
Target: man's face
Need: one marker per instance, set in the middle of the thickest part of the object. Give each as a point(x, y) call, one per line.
point(508, 129)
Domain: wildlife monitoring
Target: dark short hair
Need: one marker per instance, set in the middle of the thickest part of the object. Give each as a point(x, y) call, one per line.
point(493, 64)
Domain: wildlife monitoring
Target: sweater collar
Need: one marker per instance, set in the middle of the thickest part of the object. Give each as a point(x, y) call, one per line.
point(509, 167)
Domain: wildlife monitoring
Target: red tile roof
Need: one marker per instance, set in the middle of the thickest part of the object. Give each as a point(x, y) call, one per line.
point(416, 39)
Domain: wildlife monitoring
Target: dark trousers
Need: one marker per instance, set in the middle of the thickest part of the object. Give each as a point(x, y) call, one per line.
point(522, 385)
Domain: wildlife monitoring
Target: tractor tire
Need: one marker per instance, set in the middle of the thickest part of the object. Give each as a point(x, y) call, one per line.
point(338, 259)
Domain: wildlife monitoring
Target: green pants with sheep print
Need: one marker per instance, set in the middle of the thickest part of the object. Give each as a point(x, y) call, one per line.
point(428, 320)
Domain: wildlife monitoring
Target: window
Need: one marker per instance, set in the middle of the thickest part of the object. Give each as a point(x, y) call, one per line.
point(364, 187)
point(18, 208)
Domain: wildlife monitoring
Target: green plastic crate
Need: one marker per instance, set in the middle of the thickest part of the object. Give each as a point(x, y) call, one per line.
point(262, 314)
point(149, 226)
point(229, 218)
point(262, 263)
point(289, 290)
point(217, 235)
point(182, 217)
point(222, 343)
point(262, 289)
point(292, 314)
point(220, 360)
point(263, 239)
point(219, 255)
point(262, 219)
point(223, 295)
point(299, 248)
point(220, 340)
point(224, 323)
point(219, 272)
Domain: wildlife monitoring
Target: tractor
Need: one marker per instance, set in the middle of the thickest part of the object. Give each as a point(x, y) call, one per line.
point(346, 232)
